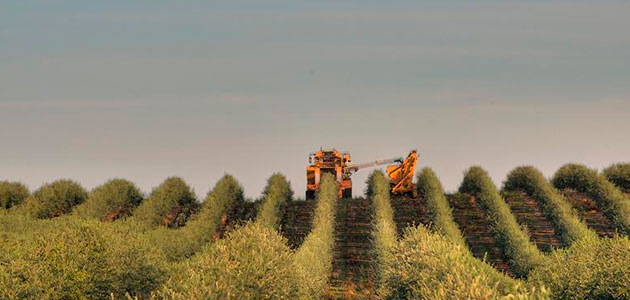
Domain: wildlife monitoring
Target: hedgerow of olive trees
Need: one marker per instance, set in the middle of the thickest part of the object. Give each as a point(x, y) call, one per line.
point(170, 204)
point(314, 257)
point(56, 198)
point(114, 199)
point(276, 195)
point(523, 255)
point(12, 193)
point(614, 203)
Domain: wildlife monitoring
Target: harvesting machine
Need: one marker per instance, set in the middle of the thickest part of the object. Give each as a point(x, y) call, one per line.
point(400, 171)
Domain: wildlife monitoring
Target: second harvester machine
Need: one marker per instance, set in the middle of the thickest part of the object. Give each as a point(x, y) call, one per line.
point(400, 171)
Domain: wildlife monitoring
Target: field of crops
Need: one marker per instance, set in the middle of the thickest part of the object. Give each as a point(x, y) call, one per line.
point(532, 238)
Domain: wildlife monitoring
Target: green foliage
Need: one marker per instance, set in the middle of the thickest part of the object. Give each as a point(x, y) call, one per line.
point(185, 241)
point(314, 257)
point(553, 204)
point(17, 220)
point(276, 195)
point(384, 228)
point(70, 258)
point(252, 262)
point(57, 198)
point(115, 196)
point(81, 258)
point(12, 193)
point(523, 255)
point(173, 194)
point(590, 268)
point(431, 266)
point(438, 209)
point(619, 175)
point(613, 202)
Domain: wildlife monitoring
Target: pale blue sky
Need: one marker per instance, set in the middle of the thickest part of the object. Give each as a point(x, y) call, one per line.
point(149, 89)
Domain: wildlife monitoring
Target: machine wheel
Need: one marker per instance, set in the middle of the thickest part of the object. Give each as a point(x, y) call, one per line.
point(310, 194)
point(347, 193)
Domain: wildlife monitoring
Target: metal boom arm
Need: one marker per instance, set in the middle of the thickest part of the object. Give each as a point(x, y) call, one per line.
point(354, 168)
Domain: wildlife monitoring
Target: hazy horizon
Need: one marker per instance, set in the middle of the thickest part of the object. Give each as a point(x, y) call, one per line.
point(152, 89)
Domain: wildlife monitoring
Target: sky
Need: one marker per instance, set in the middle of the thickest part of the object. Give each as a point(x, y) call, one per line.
point(144, 90)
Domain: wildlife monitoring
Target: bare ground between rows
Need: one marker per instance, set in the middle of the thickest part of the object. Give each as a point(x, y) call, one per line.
point(528, 213)
point(478, 232)
point(409, 211)
point(352, 276)
point(590, 212)
point(297, 221)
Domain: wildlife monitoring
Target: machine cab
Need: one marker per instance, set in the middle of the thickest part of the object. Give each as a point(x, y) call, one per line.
point(328, 161)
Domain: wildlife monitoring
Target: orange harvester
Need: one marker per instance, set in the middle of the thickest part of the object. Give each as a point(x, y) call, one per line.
point(338, 164)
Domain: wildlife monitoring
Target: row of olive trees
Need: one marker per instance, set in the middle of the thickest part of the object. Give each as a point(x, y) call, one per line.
point(86, 258)
point(588, 267)
point(432, 264)
point(255, 262)
point(76, 256)
point(170, 204)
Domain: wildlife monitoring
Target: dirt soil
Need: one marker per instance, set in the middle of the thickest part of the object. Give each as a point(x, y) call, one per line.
point(477, 231)
point(590, 212)
point(352, 276)
point(409, 211)
point(297, 221)
point(528, 213)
